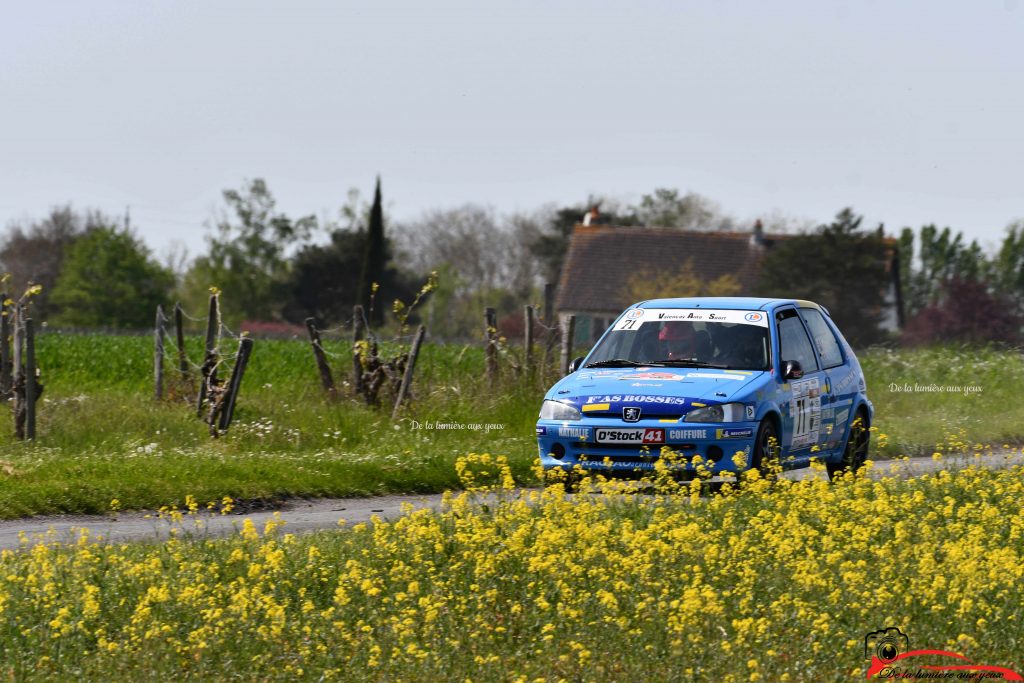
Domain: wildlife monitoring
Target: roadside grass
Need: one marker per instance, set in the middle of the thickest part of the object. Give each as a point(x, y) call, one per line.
point(103, 436)
point(775, 582)
point(918, 419)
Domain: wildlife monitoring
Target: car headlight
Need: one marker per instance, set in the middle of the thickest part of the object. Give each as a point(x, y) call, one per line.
point(556, 410)
point(726, 412)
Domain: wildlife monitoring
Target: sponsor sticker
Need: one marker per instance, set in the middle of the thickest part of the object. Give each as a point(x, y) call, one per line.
point(687, 434)
point(542, 431)
point(582, 433)
point(631, 321)
point(713, 375)
point(749, 410)
point(668, 376)
point(636, 436)
point(632, 398)
point(741, 433)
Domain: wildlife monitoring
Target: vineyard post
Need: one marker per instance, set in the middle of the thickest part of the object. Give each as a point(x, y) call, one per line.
point(179, 335)
point(158, 352)
point(241, 361)
point(321, 360)
point(491, 350)
point(30, 380)
point(5, 346)
point(19, 376)
point(357, 362)
point(528, 353)
point(414, 353)
point(568, 330)
point(549, 304)
point(210, 359)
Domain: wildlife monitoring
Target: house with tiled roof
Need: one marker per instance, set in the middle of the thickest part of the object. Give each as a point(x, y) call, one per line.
point(603, 261)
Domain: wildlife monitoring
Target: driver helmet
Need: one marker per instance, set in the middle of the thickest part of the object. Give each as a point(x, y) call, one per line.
point(678, 339)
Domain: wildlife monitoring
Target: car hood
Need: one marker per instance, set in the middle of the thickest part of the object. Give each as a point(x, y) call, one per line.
point(659, 391)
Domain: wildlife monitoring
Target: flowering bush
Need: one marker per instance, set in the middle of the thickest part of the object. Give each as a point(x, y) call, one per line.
point(769, 581)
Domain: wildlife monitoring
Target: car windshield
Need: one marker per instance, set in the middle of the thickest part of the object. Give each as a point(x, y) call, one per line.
point(736, 340)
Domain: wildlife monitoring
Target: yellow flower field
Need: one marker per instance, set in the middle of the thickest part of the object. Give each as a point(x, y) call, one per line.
point(770, 581)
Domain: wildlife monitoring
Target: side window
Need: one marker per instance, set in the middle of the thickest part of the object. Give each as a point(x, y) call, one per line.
point(793, 341)
point(823, 338)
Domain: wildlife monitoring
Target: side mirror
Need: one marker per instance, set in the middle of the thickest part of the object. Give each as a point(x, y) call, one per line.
point(791, 369)
point(575, 364)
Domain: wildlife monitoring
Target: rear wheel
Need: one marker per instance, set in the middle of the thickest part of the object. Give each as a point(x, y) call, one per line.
point(856, 451)
point(766, 450)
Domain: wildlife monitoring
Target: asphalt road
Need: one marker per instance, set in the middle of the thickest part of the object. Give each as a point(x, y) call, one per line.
point(324, 513)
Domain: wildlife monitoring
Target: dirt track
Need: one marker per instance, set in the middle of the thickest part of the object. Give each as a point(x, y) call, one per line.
point(324, 513)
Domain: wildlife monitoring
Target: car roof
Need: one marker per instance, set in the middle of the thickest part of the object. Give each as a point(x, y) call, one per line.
point(727, 303)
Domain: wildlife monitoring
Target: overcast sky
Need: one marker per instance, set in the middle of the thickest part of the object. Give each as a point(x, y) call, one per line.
point(911, 112)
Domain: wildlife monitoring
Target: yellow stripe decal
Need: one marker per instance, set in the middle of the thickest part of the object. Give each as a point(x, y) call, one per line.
point(672, 421)
point(596, 406)
point(698, 405)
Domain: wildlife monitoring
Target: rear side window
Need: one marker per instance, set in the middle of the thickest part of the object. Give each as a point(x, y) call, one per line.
point(824, 340)
point(793, 341)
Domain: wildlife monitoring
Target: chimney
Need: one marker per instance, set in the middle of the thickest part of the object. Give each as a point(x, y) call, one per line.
point(757, 236)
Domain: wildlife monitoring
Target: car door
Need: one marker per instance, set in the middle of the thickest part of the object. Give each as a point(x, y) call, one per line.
point(836, 397)
point(800, 398)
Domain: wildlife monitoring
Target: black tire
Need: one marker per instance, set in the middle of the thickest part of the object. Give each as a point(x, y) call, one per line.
point(765, 457)
point(856, 451)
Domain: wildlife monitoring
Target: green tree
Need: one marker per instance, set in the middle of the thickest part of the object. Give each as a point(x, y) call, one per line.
point(34, 253)
point(1008, 265)
point(248, 257)
point(109, 280)
point(838, 266)
point(323, 281)
point(375, 257)
point(667, 208)
point(934, 259)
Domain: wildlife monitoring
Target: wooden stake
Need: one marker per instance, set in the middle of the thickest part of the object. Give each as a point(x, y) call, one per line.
point(528, 342)
point(568, 330)
point(19, 376)
point(5, 346)
point(241, 361)
point(326, 380)
point(414, 353)
point(210, 359)
point(549, 304)
point(358, 331)
point(179, 335)
point(491, 350)
point(30, 380)
point(158, 353)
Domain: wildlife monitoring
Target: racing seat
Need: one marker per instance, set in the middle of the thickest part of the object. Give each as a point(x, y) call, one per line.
point(702, 346)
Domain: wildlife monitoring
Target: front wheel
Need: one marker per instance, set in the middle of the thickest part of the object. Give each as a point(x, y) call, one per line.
point(766, 450)
point(856, 451)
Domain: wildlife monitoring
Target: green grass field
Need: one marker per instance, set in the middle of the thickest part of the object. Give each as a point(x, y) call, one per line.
point(102, 436)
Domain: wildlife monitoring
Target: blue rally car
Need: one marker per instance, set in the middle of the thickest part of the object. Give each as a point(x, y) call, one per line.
point(772, 379)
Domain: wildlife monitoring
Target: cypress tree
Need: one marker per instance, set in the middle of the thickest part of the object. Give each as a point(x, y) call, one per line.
point(374, 258)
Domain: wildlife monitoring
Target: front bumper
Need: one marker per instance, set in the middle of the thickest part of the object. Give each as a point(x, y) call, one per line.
point(567, 445)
